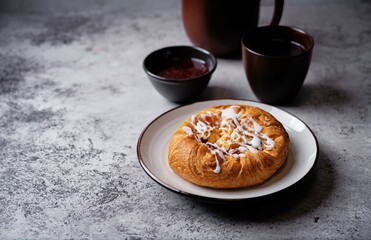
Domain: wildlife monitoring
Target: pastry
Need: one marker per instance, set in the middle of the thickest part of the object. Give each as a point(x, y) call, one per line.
point(228, 146)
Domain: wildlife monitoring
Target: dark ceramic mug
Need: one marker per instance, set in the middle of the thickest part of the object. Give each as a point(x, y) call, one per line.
point(276, 60)
point(218, 25)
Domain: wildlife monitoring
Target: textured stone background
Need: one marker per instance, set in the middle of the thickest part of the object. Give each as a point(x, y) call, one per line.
point(74, 99)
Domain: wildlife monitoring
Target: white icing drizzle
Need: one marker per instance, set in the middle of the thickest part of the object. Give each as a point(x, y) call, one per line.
point(188, 130)
point(247, 138)
point(203, 128)
point(269, 144)
point(227, 114)
point(217, 168)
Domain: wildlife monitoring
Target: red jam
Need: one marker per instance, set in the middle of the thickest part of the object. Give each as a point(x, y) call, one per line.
point(183, 68)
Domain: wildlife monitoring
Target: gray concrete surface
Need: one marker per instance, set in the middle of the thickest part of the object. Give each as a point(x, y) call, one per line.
point(74, 99)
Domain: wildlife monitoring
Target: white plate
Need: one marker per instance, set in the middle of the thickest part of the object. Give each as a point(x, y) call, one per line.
point(152, 150)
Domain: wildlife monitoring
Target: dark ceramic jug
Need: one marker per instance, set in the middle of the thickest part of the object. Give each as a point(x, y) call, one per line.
point(218, 25)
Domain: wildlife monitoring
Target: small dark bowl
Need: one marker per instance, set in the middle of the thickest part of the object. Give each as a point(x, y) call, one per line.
point(178, 90)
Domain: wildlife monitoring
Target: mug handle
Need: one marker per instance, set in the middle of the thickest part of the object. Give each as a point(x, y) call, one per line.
point(277, 14)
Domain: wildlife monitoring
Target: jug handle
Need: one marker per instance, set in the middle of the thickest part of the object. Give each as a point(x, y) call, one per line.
point(277, 14)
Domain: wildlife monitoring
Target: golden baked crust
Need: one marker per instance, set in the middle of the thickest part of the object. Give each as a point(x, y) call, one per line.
point(228, 146)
